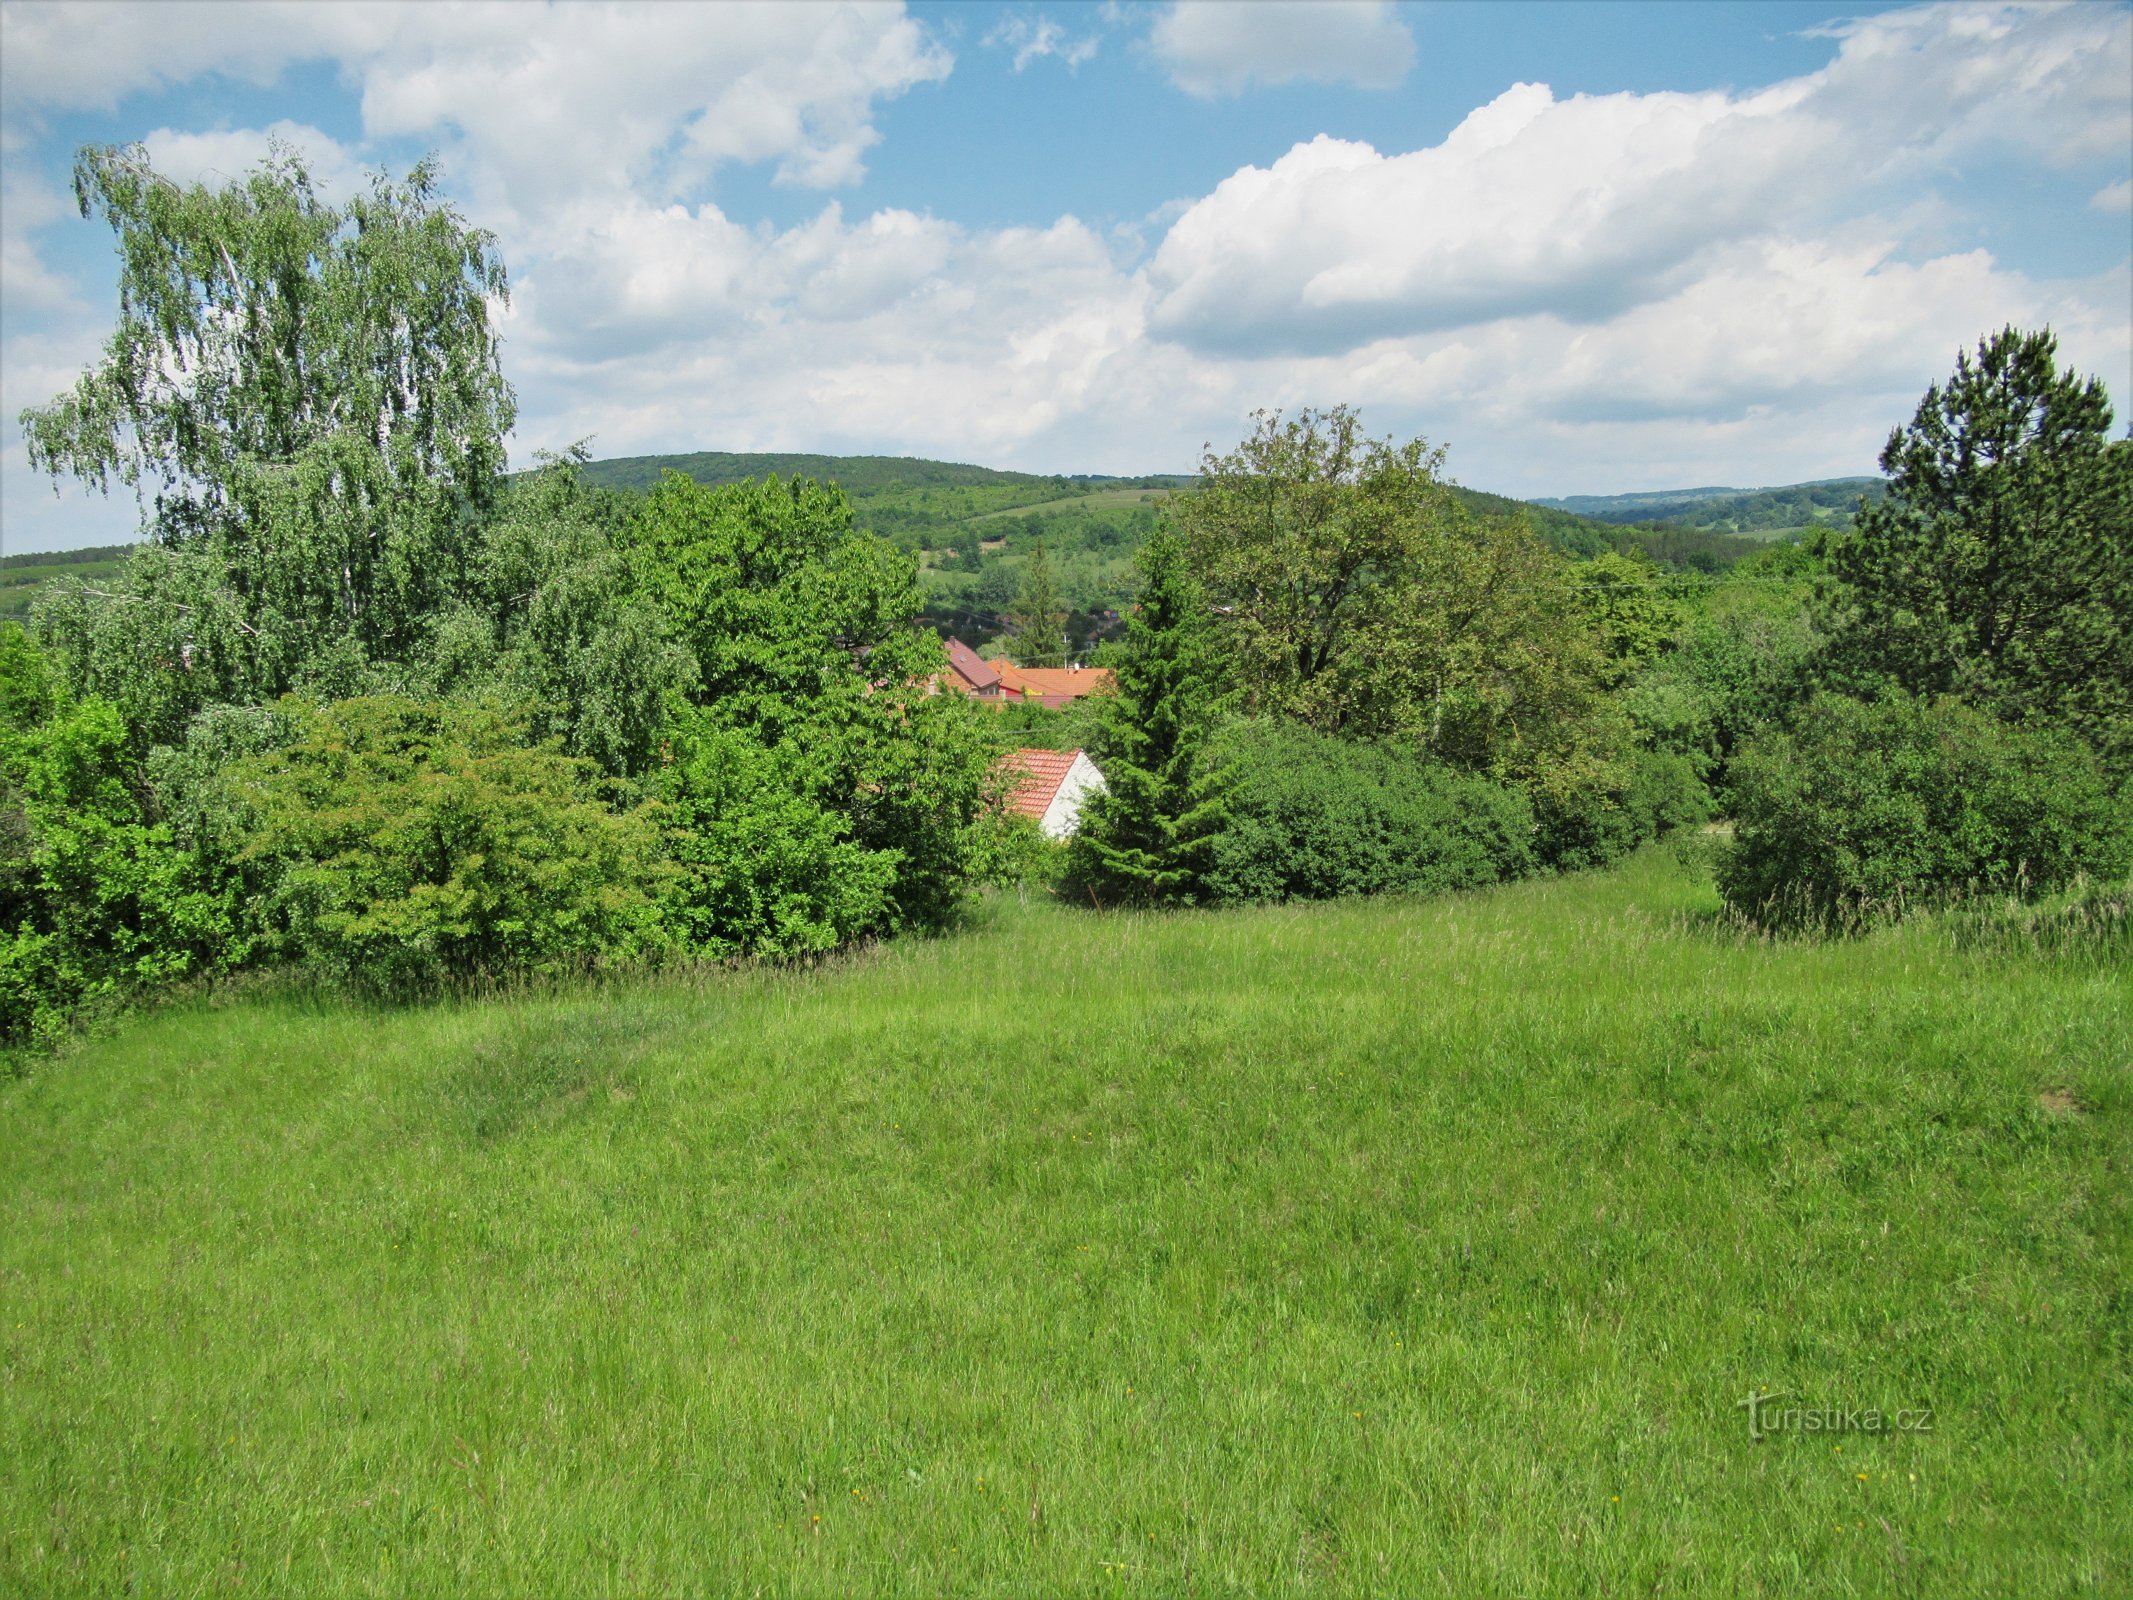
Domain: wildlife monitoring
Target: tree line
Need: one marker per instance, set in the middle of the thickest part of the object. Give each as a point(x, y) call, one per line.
point(1930, 701)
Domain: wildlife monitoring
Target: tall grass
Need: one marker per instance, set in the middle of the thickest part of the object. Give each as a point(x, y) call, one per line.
point(1392, 1247)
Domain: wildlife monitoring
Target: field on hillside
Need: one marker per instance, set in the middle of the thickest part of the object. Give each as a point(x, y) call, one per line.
point(1385, 1247)
point(21, 577)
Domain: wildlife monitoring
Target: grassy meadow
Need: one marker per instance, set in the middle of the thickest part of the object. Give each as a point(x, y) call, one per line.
point(1390, 1247)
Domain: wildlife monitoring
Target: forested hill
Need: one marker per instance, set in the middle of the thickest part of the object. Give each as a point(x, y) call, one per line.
point(972, 529)
point(1753, 512)
point(862, 477)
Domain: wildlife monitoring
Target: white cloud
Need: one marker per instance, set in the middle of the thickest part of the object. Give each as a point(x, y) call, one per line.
point(1213, 47)
point(673, 91)
point(1028, 40)
point(28, 204)
point(1579, 294)
point(1585, 207)
point(531, 101)
point(224, 157)
point(90, 57)
point(2042, 75)
point(2114, 196)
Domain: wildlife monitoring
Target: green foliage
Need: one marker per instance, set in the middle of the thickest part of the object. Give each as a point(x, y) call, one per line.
point(1308, 816)
point(314, 395)
point(96, 900)
point(553, 618)
point(765, 870)
point(2000, 567)
point(260, 329)
point(1590, 811)
point(1869, 809)
point(420, 842)
point(1013, 852)
point(1624, 602)
point(1356, 595)
point(1037, 624)
point(1745, 658)
point(1030, 724)
point(802, 633)
point(1141, 839)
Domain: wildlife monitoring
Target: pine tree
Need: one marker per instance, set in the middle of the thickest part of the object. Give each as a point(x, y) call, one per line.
point(1037, 636)
point(1141, 840)
point(2000, 567)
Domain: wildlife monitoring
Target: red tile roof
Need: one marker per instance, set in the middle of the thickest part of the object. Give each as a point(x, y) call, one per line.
point(1053, 685)
point(964, 663)
point(1038, 775)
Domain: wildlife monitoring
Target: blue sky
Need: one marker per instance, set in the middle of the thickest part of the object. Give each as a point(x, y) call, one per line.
point(1589, 247)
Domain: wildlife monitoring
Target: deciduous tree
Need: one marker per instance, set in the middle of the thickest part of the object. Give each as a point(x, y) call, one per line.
point(307, 399)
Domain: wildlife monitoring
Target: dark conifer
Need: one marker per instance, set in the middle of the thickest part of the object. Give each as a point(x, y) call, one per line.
point(1140, 841)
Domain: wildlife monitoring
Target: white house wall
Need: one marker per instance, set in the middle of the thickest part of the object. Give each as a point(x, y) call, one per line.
point(1063, 815)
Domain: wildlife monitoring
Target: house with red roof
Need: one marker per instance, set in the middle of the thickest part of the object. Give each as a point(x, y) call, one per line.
point(1051, 786)
point(970, 674)
point(1003, 681)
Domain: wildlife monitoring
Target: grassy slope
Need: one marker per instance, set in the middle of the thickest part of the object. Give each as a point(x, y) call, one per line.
point(1375, 1248)
point(22, 576)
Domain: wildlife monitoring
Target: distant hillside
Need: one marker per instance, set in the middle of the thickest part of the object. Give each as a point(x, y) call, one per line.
point(1751, 512)
point(972, 529)
point(21, 576)
point(862, 477)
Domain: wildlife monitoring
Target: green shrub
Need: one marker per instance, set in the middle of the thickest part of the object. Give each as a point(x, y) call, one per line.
point(1866, 809)
point(1308, 816)
point(99, 900)
point(1012, 852)
point(416, 842)
point(762, 869)
point(1599, 811)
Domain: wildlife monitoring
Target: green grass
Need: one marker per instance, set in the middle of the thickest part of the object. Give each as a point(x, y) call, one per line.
point(1378, 1248)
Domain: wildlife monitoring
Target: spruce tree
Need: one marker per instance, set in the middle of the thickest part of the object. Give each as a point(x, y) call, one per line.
point(1140, 841)
point(1038, 621)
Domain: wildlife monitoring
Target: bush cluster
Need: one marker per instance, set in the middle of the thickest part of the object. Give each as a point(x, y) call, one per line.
point(1863, 809)
point(699, 725)
point(1308, 816)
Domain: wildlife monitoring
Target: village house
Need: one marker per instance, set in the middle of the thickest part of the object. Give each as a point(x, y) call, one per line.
point(1003, 681)
point(1052, 786)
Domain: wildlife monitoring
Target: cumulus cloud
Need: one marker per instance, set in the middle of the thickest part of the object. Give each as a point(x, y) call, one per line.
point(1578, 294)
point(1212, 47)
point(225, 156)
point(2114, 196)
point(895, 328)
point(1587, 206)
point(27, 284)
point(673, 91)
point(90, 57)
point(533, 102)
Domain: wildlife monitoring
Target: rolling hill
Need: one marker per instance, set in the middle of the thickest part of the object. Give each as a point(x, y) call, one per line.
point(1753, 513)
